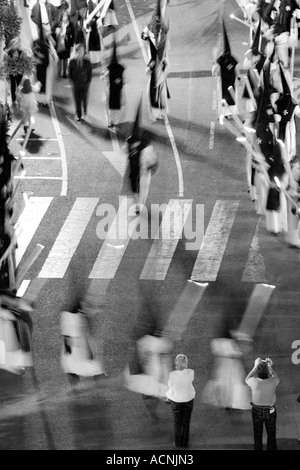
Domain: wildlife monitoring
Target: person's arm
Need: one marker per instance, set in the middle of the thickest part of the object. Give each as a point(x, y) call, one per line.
point(272, 372)
point(89, 71)
point(253, 372)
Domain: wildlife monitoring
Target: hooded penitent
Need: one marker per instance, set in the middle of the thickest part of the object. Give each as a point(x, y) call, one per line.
point(227, 65)
point(115, 80)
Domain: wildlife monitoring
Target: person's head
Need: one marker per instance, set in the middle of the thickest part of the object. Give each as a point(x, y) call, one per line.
point(65, 16)
point(295, 166)
point(80, 50)
point(263, 370)
point(181, 362)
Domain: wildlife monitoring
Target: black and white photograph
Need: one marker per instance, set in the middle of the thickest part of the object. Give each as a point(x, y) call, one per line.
point(150, 227)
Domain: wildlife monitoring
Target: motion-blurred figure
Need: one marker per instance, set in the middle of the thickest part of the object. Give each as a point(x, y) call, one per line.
point(115, 89)
point(28, 103)
point(78, 358)
point(181, 393)
point(143, 162)
point(155, 364)
point(14, 51)
point(15, 334)
point(156, 33)
point(263, 382)
point(227, 387)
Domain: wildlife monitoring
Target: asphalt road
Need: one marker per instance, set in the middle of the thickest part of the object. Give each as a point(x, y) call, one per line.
point(71, 170)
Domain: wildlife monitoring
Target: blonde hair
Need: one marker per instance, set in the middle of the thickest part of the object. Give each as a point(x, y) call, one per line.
point(181, 362)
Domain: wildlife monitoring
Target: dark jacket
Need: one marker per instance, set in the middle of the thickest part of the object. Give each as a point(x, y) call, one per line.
point(51, 10)
point(81, 76)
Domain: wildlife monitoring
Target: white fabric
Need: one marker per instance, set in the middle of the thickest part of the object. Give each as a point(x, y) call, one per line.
point(180, 384)
point(227, 387)
point(263, 390)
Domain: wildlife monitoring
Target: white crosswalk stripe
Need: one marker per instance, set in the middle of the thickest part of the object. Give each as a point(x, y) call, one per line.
point(212, 249)
point(115, 244)
point(166, 240)
point(68, 239)
point(122, 229)
point(29, 222)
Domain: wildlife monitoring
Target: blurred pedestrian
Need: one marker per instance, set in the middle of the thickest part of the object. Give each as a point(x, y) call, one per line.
point(115, 87)
point(93, 35)
point(28, 105)
point(181, 394)
point(226, 388)
point(263, 382)
point(143, 162)
point(14, 51)
point(78, 358)
point(156, 34)
point(43, 14)
point(64, 43)
point(292, 236)
point(80, 73)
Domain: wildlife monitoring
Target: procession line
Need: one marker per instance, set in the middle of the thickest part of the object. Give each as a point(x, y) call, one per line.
point(166, 120)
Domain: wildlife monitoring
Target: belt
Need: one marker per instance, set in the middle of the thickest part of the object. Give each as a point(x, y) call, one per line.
point(270, 408)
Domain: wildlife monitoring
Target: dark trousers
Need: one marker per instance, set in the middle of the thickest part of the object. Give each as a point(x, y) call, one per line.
point(182, 417)
point(81, 96)
point(261, 415)
point(15, 81)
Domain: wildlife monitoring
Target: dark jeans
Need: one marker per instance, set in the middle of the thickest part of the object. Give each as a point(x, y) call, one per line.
point(15, 81)
point(261, 415)
point(182, 417)
point(81, 96)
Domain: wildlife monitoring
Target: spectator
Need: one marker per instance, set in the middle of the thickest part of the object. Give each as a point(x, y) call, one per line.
point(181, 394)
point(14, 51)
point(64, 43)
point(263, 382)
point(80, 73)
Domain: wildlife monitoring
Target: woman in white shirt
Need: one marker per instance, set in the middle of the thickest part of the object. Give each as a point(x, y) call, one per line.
point(181, 394)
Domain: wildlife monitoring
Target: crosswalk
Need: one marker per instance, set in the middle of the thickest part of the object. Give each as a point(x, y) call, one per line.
point(164, 240)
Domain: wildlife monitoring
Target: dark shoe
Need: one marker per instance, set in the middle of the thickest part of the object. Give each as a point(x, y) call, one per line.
point(65, 75)
point(78, 119)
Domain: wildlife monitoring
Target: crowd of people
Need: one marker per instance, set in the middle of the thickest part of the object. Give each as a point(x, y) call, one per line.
point(259, 107)
point(261, 114)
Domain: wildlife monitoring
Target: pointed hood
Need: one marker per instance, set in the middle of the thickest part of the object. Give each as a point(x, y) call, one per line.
point(114, 59)
point(225, 40)
point(255, 47)
point(40, 25)
point(136, 132)
point(285, 87)
point(158, 9)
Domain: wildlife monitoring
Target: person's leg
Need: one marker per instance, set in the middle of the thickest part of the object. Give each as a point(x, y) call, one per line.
point(258, 421)
point(77, 96)
point(65, 67)
point(13, 87)
point(270, 423)
point(176, 408)
point(85, 92)
point(145, 180)
point(187, 411)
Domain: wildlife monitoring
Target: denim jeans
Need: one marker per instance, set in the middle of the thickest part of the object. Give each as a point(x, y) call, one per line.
point(182, 417)
point(261, 415)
